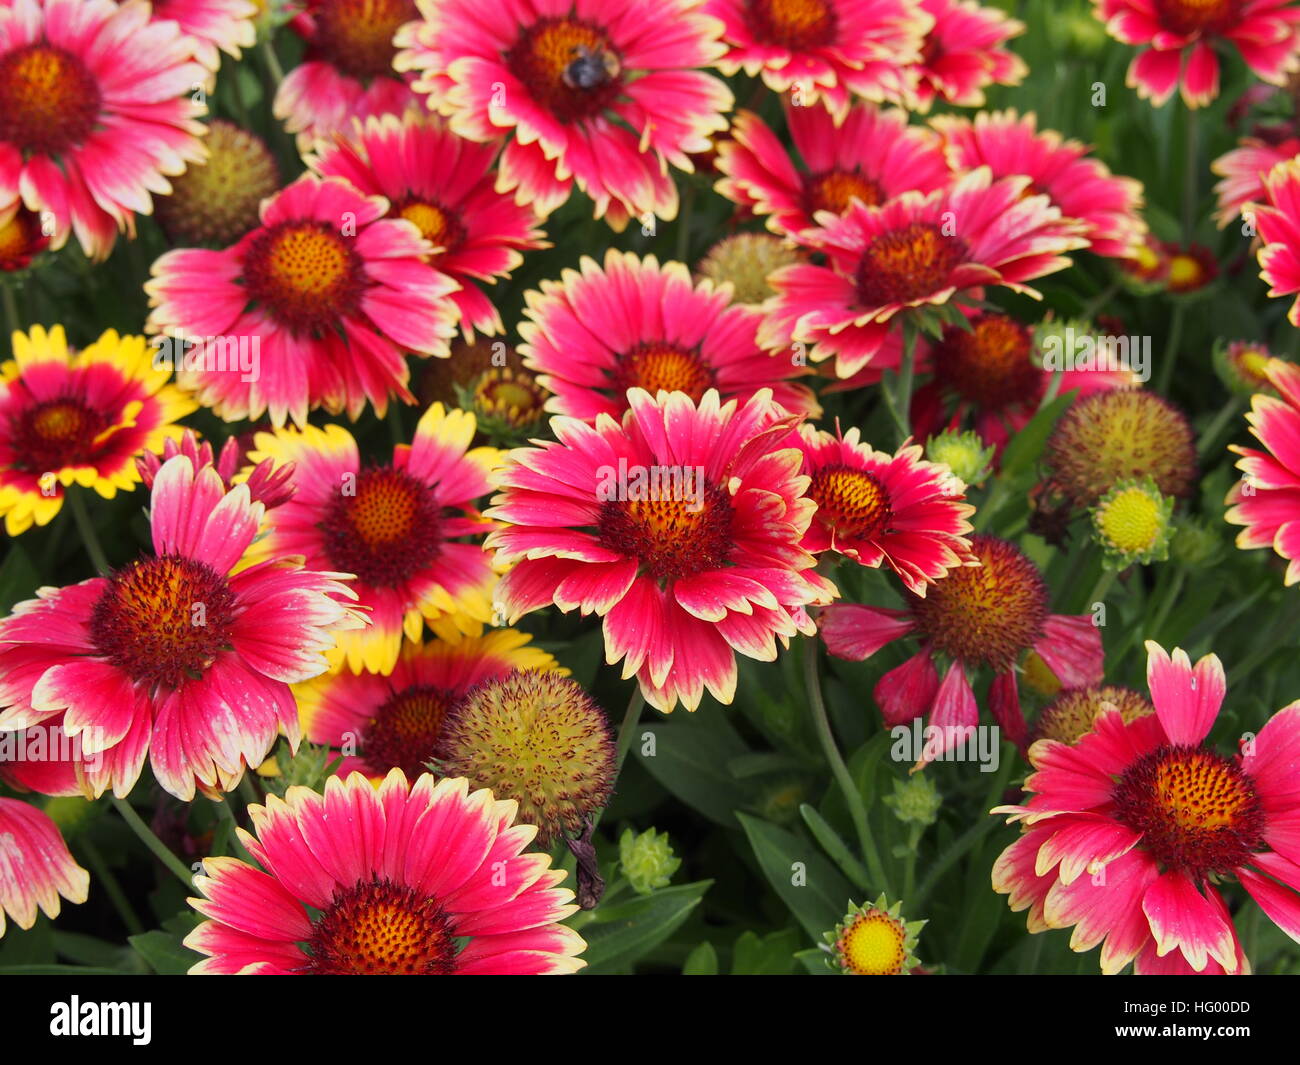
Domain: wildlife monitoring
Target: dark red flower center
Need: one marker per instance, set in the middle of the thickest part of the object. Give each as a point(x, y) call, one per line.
point(1197, 811)
point(54, 434)
point(834, 190)
point(660, 365)
point(673, 533)
point(852, 503)
point(989, 613)
point(798, 25)
point(404, 732)
point(48, 99)
point(357, 35)
point(437, 224)
point(903, 265)
point(305, 273)
point(384, 528)
point(990, 366)
point(569, 66)
point(1197, 16)
point(163, 619)
point(382, 929)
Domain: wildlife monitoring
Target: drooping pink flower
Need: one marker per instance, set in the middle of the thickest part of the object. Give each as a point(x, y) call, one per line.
point(35, 866)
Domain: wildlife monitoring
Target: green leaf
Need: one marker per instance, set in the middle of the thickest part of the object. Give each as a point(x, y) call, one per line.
point(623, 934)
point(702, 961)
point(87, 950)
point(33, 946)
point(808, 884)
point(164, 953)
point(1025, 446)
point(834, 845)
point(690, 760)
point(18, 578)
point(814, 961)
point(771, 955)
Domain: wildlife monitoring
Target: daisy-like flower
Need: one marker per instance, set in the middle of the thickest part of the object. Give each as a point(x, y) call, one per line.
point(380, 722)
point(1075, 711)
point(987, 376)
point(35, 866)
point(21, 238)
point(825, 50)
point(78, 417)
point(268, 484)
point(914, 252)
point(1132, 523)
point(214, 26)
point(1190, 267)
point(333, 292)
point(1081, 186)
point(604, 95)
point(879, 509)
point(401, 528)
point(1267, 498)
point(873, 156)
point(986, 616)
point(681, 527)
point(1181, 36)
point(1242, 172)
point(405, 879)
point(1278, 223)
point(1129, 835)
point(95, 114)
point(444, 184)
point(347, 72)
point(962, 54)
point(873, 941)
point(176, 655)
point(1241, 366)
point(632, 323)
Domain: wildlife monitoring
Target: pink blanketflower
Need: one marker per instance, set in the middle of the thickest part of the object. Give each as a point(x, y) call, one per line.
point(214, 26)
point(445, 185)
point(603, 94)
point(1278, 223)
point(405, 879)
point(828, 50)
point(268, 484)
point(1129, 834)
point(873, 155)
point(35, 866)
point(1267, 499)
point(1242, 172)
point(182, 655)
point(1082, 187)
point(1181, 36)
point(962, 54)
point(879, 509)
point(347, 72)
point(333, 292)
point(95, 113)
point(987, 615)
point(915, 251)
point(681, 527)
point(632, 323)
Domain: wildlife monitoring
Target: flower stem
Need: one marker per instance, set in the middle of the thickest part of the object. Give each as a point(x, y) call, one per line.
point(852, 796)
point(225, 813)
point(628, 727)
point(104, 876)
point(272, 62)
point(1191, 132)
point(1211, 435)
point(1171, 348)
point(156, 846)
point(1099, 590)
point(89, 538)
point(1167, 601)
point(898, 393)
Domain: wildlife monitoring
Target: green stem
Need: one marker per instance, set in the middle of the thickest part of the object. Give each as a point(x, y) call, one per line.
point(156, 846)
point(89, 538)
point(1099, 301)
point(104, 876)
point(272, 62)
point(852, 796)
point(1171, 348)
point(1099, 590)
point(898, 392)
point(909, 872)
point(1212, 431)
point(225, 812)
point(627, 729)
point(1167, 601)
point(1191, 161)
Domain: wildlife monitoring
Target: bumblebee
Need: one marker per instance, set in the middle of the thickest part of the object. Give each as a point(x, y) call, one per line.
point(590, 69)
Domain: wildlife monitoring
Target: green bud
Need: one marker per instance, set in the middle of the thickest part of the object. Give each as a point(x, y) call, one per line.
point(1196, 544)
point(310, 767)
point(647, 859)
point(963, 453)
point(915, 801)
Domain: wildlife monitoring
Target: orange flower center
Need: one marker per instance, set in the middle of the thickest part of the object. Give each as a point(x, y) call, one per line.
point(436, 224)
point(569, 67)
point(304, 272)
point(1197, 811)
point(57, 433)
point(161, 620)
point(908, 264)
point(384, 527)
point(986, 614)
point(992, 365)
point(382, 929)
point(404, 731)
point(834, 190)
point(798, 25)
point(674, 532)
point(1196, 16)
point(356, 36)
point(851, 502)
point(656, 365)
point(48, 99)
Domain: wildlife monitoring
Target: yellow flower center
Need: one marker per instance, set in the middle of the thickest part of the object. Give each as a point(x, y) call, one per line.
point(834, 190)
point(795, 24)
point(436, 225)
point(357, 35)
point(672, 523)
point(384, 527)
point(304, 272)
point(1131, 521)
point(48, 99)
point(382, 929)
point(851, 502)
point(1185, 272)
point(874, 945)
point(656, 366)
